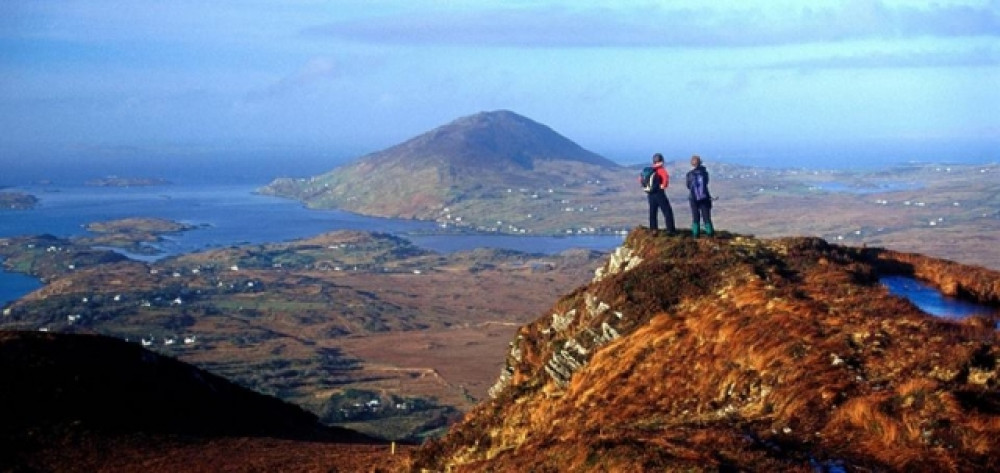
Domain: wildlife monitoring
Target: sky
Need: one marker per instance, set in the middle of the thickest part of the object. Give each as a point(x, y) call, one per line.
point(779, 81)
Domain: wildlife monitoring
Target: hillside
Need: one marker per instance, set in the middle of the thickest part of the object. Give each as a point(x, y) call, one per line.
point(63, 393)
point(743, 354)
point(470, 162)
point(325, 323)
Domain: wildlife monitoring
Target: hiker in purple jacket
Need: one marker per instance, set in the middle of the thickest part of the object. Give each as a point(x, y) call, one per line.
point(699, 198)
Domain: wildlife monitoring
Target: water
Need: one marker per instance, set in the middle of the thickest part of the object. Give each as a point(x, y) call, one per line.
point(15, 285)
point(930, 300)
point(228, 215)
point(224, 215)
point(231, 214)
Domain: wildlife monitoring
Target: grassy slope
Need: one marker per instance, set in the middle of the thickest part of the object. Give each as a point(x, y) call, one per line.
point(746, 354)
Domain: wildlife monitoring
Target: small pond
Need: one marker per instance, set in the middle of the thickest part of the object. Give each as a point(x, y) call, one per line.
point(930, 300)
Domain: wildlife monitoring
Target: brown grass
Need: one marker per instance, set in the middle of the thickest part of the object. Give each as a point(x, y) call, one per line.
point(786, 351)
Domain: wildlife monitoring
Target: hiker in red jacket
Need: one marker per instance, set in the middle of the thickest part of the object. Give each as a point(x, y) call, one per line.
point(657, 195)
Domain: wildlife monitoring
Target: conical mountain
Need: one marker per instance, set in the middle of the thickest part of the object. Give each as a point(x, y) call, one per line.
point(502, 140)
point(742, 354)
point(473, 158)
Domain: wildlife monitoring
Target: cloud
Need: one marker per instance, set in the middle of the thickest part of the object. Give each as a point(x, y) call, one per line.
point(721, 85)
point(557, 26)
point(315, 70)
point(978, 57)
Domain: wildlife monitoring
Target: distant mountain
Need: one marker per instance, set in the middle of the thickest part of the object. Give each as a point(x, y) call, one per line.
point(501, 140)
point(474, 158)
point(743, 354)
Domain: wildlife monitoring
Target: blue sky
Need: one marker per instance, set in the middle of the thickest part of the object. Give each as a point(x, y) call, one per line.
point(776, 81)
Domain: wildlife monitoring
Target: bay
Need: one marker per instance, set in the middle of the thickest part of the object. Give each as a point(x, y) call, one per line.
point(231, 215)
point(15, 285)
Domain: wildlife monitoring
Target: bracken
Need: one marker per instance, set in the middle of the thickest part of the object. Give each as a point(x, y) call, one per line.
point(745, 354)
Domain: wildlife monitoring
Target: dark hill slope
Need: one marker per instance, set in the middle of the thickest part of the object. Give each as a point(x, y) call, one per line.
point(60, 387)
point(739, 354)
point(472, 158)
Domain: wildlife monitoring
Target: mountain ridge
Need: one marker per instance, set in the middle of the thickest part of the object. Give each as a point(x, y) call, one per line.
point(742, 354)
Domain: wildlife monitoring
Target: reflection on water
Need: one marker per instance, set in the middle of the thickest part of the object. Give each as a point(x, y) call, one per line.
point(930, 300)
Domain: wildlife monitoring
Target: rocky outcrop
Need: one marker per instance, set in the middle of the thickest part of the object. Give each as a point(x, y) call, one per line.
point(744, 354)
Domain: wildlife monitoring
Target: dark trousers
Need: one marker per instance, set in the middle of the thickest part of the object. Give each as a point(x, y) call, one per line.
point(701, 211)
point(658, 202)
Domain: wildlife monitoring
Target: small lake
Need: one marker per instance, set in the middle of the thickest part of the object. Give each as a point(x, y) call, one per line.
point(930, 300)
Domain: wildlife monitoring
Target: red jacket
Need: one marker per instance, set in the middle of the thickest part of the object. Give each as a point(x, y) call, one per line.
point(662, 172)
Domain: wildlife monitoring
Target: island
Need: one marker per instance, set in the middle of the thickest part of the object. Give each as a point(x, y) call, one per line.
point(115, 181)
point(48, 257)
point(17, 201)
point(134, 235)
